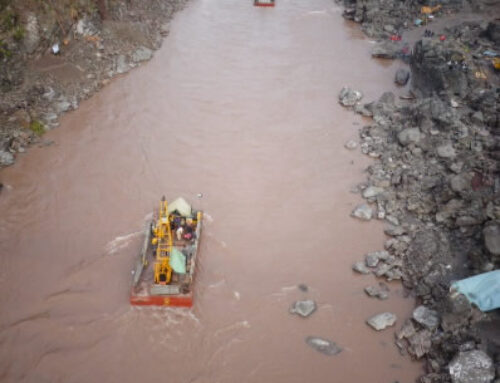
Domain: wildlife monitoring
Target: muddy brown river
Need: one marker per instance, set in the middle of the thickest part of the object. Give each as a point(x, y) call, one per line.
point(240, 104)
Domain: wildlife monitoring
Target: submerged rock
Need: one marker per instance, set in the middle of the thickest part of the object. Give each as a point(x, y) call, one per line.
point(363, 212)
point(361, 268)
point(472, 367)
point(349, 97)
point(324, 346)
point(382, 321)
point(303, 308)
point(351, 145)
point(377, 292)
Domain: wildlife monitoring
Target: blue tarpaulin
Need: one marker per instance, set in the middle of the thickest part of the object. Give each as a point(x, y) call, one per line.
point(483, 290)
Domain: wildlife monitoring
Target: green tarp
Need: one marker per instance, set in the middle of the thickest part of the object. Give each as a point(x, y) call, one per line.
point(178, 261)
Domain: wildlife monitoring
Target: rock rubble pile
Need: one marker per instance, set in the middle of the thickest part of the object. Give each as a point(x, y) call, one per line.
point(436, 183)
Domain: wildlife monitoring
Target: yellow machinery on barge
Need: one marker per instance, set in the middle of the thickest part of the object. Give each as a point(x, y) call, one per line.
point(171, 246)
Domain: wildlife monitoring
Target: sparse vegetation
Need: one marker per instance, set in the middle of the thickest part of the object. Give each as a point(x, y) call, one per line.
point(37, 127)
point(4, 50)
point(8, 20)
point(19, 33)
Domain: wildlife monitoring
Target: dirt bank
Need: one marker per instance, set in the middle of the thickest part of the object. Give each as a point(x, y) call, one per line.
point(93, 42)
point(436, 180)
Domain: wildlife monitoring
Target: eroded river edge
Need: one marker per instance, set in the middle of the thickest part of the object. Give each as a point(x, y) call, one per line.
point(385, 108)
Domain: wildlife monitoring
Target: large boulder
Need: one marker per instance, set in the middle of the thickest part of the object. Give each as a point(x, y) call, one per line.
point(402, 76)
point(493, 31)
point(436, 66)
point(472, 367)
point(386, 50)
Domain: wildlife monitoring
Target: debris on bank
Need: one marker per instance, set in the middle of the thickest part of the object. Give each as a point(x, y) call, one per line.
point(435, 182)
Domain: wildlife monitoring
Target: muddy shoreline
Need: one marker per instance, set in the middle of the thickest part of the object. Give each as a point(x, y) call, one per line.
point(436, 181)
point(57, 54)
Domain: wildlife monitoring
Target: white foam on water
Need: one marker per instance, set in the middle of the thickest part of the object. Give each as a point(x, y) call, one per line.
point(217, 284)
point(235, 326)
point(120, 242)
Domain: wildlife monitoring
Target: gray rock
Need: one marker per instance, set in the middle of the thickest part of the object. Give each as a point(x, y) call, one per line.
point(363, 212)
point(402, 76)
point(142, 54)
point(371, 260)
point(386, 50)
point(349, 97)
point(394, 231)
point(85, 27)
point(491, 233)
point(376, 292)
point(382, 321)
point(466, 221)
point(32, 35)
point(459, 183)
point(420, 343)
point(372, 191)
point(446, 151)
point(6, 158)
point(121, 64)
point(361, 268)
point(426, 317)
point(378, 256)
point(351, 145)
point(472, 367)
point(409, 136)
point(382, 269)
point(324, 346)
point(362, 109)
point(303, 308)
point(62, 106)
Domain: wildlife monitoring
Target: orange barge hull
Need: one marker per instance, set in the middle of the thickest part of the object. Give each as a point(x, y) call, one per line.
point(162, 300)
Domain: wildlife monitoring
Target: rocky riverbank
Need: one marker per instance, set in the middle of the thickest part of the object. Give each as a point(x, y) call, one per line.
point(436, 182)
point(55, 54)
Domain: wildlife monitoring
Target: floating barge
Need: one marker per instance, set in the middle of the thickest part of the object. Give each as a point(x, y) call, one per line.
point(165, 269)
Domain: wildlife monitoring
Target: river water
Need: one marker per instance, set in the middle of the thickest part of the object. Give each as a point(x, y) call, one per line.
point(239, 104)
